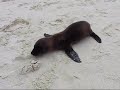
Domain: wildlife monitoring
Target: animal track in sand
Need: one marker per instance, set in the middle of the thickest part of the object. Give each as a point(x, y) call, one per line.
point(7, 0)
point(85, 2)
point(42, 5)
point(98, 57)
point(112, 77)
point(107, 31)
point(22, 4)
point(16, 28)
point(45, 80)
point(100, 53)
point(110, 0)
point(101, 12)
point(111, 30)
point(6, 28)
point(56, 22)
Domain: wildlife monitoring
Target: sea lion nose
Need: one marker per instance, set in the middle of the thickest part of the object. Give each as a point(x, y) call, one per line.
point(32, 53)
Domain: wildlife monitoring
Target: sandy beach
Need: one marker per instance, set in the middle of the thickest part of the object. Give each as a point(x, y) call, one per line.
point(23, 22)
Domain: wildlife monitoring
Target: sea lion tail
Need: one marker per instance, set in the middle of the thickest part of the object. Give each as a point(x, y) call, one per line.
point(96, 37)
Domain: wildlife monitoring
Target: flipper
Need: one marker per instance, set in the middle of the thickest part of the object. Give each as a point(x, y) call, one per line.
point(47, 35)
point(72, 54)
point(96, 37)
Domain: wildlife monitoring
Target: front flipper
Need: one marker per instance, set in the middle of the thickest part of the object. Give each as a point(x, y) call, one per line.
point(72, 54)
point(47, 35)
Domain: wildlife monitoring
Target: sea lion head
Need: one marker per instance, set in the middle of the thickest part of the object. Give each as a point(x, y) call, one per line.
point(41, 47)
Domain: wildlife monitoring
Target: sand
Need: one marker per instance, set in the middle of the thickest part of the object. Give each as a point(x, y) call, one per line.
point(23, 22)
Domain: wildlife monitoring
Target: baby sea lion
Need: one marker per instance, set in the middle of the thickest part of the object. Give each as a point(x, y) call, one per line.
point(63, 40)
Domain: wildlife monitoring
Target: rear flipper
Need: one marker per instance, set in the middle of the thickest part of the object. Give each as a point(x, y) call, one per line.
point(96, 37)
point(47, 35)
point(72, 54)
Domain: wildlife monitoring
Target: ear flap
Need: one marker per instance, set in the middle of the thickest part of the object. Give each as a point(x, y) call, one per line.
point(47, 35)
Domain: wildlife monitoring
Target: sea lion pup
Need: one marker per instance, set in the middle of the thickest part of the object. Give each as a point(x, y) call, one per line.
point(63, 40)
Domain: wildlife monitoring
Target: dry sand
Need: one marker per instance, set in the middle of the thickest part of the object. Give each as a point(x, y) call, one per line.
point(23, 22)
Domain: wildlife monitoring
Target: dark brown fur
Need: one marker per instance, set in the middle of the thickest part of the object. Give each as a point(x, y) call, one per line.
point(63, 40)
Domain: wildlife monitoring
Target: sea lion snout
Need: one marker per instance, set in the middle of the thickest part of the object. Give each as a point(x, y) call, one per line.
point(35, 52)
point(38, 51)
point(41, 47)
